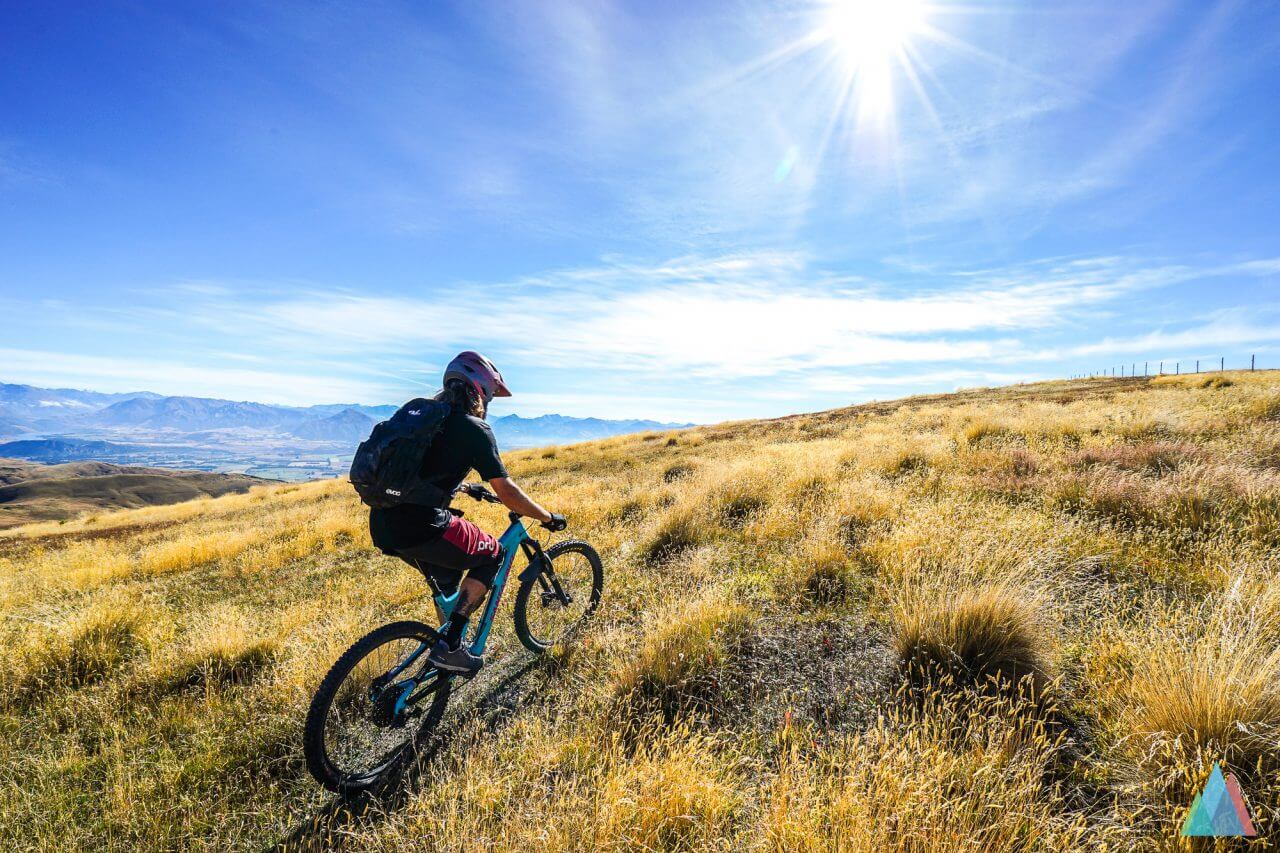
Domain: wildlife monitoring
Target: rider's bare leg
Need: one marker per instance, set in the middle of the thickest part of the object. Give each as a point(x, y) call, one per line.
point(470, 594)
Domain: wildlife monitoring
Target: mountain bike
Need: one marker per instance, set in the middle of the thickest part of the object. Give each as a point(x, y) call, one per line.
point(382, 699)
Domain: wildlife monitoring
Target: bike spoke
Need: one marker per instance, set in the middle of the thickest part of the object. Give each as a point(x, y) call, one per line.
point(362, 732)
point(561, 600)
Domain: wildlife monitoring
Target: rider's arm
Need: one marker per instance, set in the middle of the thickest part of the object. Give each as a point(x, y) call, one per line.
point(514, 498)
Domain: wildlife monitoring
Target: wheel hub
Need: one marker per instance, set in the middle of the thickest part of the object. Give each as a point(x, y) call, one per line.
point(550, 599)
point(387, 712)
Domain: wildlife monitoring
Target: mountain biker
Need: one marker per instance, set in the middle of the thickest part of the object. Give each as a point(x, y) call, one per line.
point(439, 542)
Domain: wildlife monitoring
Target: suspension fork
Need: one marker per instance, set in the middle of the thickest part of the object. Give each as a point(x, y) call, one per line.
point(546, 573)
point(533, 553)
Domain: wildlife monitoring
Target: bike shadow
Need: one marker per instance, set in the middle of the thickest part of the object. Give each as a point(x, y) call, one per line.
point(500, 695)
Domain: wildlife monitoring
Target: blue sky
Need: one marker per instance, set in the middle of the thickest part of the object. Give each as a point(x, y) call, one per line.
point(690, 211)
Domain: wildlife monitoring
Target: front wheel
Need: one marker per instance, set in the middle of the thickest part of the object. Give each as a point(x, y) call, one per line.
point(549, 607)
point(374, 707)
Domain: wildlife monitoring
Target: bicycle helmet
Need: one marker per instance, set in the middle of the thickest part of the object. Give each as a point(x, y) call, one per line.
point(474, 368)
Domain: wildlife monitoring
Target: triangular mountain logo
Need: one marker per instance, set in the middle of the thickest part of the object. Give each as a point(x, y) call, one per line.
point(1219, 810)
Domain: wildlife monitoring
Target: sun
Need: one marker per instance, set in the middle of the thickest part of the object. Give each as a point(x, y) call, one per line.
point(874, 29)
point(872, 36)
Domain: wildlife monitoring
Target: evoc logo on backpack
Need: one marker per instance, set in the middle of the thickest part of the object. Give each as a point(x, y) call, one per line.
point(387, 468)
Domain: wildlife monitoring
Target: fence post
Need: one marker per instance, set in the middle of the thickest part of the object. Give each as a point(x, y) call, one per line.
point(1252, 362)
point(1222, 364)
point(1144, 368)
point(1177, 368)
point(1162, 368)
point(1197, 365)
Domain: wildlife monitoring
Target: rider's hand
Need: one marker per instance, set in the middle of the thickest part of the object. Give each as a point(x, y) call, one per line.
point(556, 523)
point(475, 491)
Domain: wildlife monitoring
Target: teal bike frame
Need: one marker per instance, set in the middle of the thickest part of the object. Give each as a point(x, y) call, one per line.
point(515, 538)
point(427, 680)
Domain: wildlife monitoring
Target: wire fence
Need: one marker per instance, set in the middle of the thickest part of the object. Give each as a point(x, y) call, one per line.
point(1170, 368)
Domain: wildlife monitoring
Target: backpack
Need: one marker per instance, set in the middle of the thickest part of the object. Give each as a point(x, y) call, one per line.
point(387, 468)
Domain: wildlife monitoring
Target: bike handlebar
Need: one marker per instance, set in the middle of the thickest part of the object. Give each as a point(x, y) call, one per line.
point(477, 491)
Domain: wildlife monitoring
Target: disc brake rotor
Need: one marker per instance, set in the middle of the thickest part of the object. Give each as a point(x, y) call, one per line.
point(384, 713)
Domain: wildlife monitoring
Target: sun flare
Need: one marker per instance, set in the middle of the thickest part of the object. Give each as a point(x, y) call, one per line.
point(872, 36)
point(874, 29)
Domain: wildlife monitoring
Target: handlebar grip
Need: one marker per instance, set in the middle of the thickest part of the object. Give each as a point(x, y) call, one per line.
point(478, 492)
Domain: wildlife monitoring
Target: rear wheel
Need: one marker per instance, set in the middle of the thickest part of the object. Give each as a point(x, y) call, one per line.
point(376, 704)
point(551, 606)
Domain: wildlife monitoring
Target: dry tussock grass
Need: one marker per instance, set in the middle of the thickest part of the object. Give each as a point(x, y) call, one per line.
point(822, 574)
point(1185, 688)
point(220, 650)
point(674, 791)
point(679, 656)
point(992, 634)
point(950, 776)
point(1112, 540)
point(86, 649)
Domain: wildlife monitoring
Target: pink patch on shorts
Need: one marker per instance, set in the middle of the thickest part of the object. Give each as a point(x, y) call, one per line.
point(469, 538)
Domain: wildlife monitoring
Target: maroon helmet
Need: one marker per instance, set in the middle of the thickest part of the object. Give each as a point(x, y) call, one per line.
point(474, 368)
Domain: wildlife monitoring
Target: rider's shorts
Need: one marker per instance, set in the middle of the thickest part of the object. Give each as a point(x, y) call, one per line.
point(461, 548)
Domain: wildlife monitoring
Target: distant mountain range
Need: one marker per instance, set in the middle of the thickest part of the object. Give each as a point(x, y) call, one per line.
point(348, 426)
point(515, 431)
point(62, 424)
point(27, 409)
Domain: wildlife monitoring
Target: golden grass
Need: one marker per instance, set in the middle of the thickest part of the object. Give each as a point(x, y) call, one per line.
point(978, 431)
point(219, 651)
point(1114, 540)
point(973, 635)
point(1264, 408)
point(675, 791)
point(86, 649)
point(1222, 690)
point(823, 574)
point(679, 654)
point(1190, 688)
point(910, 783)
point(678, 533)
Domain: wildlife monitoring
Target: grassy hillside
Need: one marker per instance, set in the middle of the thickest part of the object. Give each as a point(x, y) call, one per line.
point(31, 492)
point(1024, 618)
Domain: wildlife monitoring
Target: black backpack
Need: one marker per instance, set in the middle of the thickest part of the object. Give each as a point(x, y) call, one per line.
point(387, 468)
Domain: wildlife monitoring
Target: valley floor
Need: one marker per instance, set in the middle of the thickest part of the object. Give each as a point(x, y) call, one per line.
point(1027, 618)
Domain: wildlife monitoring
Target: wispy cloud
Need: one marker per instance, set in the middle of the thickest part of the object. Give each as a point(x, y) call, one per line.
point(722, 317)
point(854, 386)
point(1225, 331)
point(770, 325)
point(43, 367)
